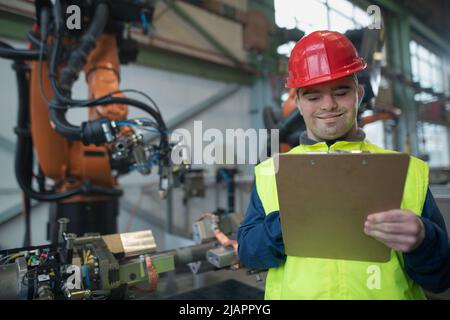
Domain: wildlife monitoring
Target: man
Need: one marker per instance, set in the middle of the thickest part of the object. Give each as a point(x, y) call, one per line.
point(323, 67)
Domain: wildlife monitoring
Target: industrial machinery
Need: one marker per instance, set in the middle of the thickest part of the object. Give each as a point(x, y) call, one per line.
point(221, 227)
point(88, 267)
point(210, 227)
point(76, 166)
point(116, 266)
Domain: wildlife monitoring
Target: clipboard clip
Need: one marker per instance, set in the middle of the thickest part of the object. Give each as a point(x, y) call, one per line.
point(350, 152)
point(340, 152)
point(363, 161)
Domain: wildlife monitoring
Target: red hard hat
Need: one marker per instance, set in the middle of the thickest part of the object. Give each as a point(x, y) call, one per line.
point(320, 57)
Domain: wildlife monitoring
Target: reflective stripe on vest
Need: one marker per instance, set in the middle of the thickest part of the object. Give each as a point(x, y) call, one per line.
point(313, 278)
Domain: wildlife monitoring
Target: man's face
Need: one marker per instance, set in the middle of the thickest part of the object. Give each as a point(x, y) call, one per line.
point(330, 108)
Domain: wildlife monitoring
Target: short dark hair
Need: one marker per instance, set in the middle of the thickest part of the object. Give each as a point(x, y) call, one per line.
point(354, 76)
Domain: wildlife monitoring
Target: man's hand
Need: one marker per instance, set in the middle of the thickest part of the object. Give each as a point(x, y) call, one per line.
point(400, 230)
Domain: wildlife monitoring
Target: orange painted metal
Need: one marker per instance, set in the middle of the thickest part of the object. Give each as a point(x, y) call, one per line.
point(103, 76)
point(68, 163)
point(51, 148)
point(378, 116)
point(290, 104)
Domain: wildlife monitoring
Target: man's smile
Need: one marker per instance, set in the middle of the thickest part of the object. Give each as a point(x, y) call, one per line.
point(330, 116)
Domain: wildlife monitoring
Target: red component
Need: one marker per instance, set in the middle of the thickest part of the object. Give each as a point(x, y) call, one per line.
point(35, 29)
point(383, 115)
point(320, 57)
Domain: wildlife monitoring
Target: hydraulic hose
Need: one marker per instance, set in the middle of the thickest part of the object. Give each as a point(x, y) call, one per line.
point(24, 151)
point(24, 154)
point(90, 131)
point(70, 72)
point(77, 58)
point(9, 52)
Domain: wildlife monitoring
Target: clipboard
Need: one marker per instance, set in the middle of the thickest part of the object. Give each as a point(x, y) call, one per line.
point(324, 200)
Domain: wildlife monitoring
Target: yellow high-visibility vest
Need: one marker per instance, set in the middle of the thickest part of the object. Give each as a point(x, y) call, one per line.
point(314, 278)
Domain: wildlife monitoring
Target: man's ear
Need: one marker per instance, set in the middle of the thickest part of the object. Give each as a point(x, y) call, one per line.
point(361, 93)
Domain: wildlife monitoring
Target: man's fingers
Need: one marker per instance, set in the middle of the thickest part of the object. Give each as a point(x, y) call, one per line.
point(390, 239)
point(398, 246)
point(394, 228)
point(390, 216)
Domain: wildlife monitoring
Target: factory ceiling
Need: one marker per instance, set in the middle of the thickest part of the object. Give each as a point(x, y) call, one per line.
point(434, 13)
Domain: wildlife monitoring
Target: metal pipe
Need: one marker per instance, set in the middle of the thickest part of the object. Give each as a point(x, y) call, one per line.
point(63, 222)
point(185, 255)
point(169, 211)
point(70, 240)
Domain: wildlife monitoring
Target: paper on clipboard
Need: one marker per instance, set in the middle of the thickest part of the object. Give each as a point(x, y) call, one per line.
point(324, 200)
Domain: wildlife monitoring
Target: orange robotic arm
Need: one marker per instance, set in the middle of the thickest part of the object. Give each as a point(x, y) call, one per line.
point(80, 159)
point(70, 163)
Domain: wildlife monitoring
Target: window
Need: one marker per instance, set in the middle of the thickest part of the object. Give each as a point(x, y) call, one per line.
point(427, 69)
point(312, 15)
point(433, 141)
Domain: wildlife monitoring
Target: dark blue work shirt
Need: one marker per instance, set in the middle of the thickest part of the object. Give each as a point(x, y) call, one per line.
point(261, 244)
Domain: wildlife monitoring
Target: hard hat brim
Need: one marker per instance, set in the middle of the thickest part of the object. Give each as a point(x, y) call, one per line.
point(358, 66)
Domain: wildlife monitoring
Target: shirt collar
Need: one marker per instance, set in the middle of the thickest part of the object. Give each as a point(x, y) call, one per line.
point(357, 137)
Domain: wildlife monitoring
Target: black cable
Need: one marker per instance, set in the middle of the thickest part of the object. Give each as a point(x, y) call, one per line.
point(135, 103)
point(54, 52)
point(6, 45)
point(27, 212)
point(90, 103)
point(9, 52)
point(106, 99)
point(57, 16)
point(41, 87)
point(141, 93)
point(76, 133)
point(62, 101)
point(32, 38)
point(77, 58)
point(24, 149)
point(90, 131)
point(40, 177)
point(70, 72)
point(85, 189)
point(23, 165)
point(94, 31)
point(24, 143)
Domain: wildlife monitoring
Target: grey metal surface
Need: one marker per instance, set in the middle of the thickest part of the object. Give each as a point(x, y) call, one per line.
point(7, 145)
point(9, 287)
point(172, 285)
